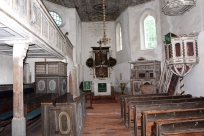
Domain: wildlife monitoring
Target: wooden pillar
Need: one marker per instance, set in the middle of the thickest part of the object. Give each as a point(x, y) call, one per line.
point(18, 121)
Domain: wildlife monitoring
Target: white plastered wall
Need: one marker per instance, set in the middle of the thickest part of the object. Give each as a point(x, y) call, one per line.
point(130, 22)
point(6, 69)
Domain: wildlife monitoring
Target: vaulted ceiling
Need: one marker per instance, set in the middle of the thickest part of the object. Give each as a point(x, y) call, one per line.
point(91, 10)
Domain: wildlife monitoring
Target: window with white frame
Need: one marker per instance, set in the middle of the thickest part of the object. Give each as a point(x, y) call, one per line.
point(148, 31)
point(119, 42)
point(56, 17)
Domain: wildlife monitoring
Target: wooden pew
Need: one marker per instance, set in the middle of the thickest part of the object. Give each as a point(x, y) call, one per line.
point(147, 99)
point(122, 97)
point(191, 127)
point(138, 109)
point(64, 118)
point(32, 109)
point(149, 117)
point(132, 104)
point(6, 104)
point(67, 97)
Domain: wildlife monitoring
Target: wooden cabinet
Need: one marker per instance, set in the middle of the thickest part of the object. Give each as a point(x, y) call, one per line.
point(144, 72)
point(51, 77)
point(50, 69)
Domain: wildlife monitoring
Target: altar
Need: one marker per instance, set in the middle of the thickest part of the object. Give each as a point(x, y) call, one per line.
point(101, 87)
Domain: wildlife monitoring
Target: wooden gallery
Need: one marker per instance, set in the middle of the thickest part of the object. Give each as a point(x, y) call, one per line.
point(101, 68)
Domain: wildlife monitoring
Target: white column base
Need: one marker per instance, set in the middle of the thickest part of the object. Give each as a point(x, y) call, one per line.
point(18, 127)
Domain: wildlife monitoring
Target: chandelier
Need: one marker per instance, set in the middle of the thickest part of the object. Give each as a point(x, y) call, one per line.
point(104, 40)
point(178, 7)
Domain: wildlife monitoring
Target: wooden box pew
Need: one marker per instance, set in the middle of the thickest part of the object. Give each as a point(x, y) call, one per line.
point(6, 100)
point(32, 108)
point(149, 117)
point(63, 118)
point(6, 92)
point(6, 108)
point(122, 97)
point(138, 109)
point(6, 112)
point(148, 99)
point(67, 97)
point(179, 127)
point(5, 105)
point(33, 105)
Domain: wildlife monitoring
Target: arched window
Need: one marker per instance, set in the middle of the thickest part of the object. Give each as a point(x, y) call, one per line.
point(119, 41)
point(148, 31)
point(56, 17)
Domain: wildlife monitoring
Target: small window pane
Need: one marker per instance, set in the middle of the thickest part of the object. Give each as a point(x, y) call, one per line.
point(190, 50)
point(178, 49)
point(150, 32)
point(56, 17)
point(121, 42)
point(119, 37)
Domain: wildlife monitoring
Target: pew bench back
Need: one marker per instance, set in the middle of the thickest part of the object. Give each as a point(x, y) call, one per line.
point(128, 100)
point(175, 126)
point(138, 109)
point(149, 117)
point(122, 97)
point(131, 105)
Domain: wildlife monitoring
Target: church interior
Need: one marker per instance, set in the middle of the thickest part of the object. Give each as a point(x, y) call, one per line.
point(101, 67)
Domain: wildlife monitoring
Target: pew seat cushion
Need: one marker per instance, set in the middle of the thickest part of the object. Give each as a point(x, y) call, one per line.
point(34, 113)
point(6, 115)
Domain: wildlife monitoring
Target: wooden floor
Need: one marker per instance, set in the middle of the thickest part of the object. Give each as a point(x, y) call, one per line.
point(103, 120)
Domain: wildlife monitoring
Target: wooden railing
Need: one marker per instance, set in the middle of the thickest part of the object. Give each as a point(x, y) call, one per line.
point(32, 21)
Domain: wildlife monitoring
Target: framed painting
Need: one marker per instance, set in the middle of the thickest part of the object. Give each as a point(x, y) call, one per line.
point(86, 85)
point(101, 58)
point(101, 72)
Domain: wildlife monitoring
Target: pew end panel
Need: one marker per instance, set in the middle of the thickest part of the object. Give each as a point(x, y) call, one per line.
point(65, 118)
point(58, 120)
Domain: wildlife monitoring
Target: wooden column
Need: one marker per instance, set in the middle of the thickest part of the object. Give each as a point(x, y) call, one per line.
point(18, 121)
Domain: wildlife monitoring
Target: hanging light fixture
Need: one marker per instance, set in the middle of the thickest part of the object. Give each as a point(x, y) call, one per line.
point(178, 7)
point(104, 40)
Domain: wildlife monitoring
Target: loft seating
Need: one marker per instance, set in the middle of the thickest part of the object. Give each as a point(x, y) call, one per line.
point(56, 46)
